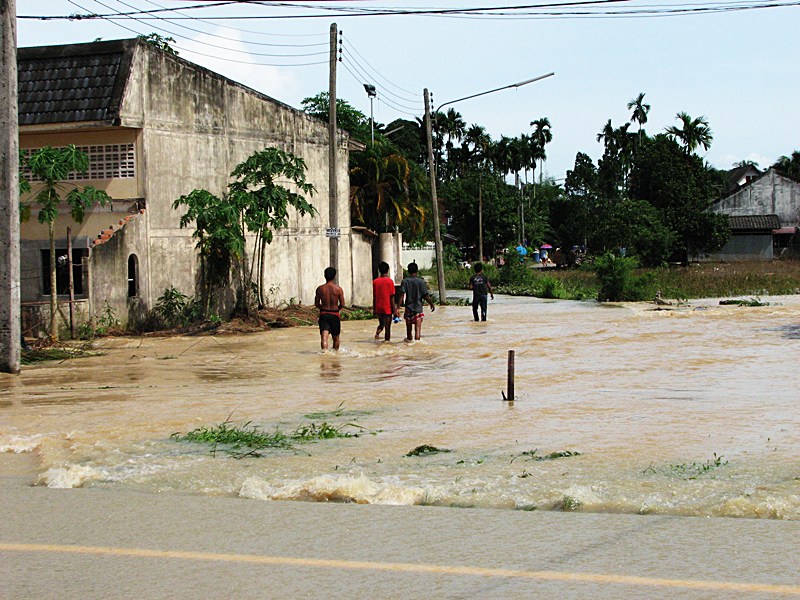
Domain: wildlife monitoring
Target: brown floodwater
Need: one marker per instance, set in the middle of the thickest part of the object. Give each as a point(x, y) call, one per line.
point(691, 411)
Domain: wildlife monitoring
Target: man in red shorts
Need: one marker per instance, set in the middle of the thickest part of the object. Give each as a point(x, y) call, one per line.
point(414, 292)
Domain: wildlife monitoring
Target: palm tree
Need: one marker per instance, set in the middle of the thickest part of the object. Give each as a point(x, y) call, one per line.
point(789, 165)
point(692, 133)
point(386, 189)
point(543, 136)
point(640, 110)
point(453, 126)
point(606, 135)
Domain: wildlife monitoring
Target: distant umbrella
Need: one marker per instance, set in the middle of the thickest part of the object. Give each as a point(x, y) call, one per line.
point(522, 250)
point(545, 247)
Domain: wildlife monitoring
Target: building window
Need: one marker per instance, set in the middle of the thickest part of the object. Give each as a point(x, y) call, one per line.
point(62, 271)
point(107, 161)
point(133, 276)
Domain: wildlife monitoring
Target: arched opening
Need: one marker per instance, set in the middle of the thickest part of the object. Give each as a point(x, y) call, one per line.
point(133, 276)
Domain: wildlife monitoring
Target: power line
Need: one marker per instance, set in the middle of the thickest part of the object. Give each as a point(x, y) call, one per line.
point(358, 80)
point(211, 45)
point(171, 20)
point(367, 78)
point(382, 77)
point(559, 10)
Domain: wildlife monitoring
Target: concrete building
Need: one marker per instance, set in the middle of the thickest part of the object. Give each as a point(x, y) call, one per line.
point(155, 127)
point(765, 216)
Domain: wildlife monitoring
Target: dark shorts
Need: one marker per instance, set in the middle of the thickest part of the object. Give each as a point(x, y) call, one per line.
point(330, 323)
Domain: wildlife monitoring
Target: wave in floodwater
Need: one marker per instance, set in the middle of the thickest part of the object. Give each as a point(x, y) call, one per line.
point(631, 410)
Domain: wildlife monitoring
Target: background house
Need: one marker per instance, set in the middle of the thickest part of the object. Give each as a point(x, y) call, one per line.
point(155, 127)
point(765, 215)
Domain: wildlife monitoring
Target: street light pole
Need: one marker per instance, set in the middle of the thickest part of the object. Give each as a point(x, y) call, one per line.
point(434, 199)
point(371, 92)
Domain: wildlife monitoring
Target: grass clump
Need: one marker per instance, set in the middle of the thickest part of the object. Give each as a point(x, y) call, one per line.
point(61, 353)
point(752, 302)
point(247, 440)
point(426, 450)
point(690, 471)
point(570, 504)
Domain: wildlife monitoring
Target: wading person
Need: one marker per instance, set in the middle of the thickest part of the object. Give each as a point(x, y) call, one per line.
point(414, 291)
point(481, 289)
point(329, 299)
point(383, 304)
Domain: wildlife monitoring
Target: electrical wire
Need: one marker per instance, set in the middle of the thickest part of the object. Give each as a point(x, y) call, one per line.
point(171, 21)
point(211, 45)
point(365, 77)
point(358, 80)
point(380, 76)
point(198, 53)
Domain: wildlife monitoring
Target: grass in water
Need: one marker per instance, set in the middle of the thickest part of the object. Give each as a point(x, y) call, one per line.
point(690, 471)
point(249, 440)
point(751, 302)
point(570, 504)
point(33, 356)
point(338, 412)
point(426, 450)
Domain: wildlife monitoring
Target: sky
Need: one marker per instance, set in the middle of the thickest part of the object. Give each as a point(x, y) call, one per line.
point(737, 68)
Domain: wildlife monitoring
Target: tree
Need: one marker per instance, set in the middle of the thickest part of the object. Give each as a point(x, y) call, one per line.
point(348, 118)
point(789, 165)
point(51, 166)
point(254, 203)
point(681, 188)
point(640, 110)
point(386, 189)
point(542, 135)
point(692, 132)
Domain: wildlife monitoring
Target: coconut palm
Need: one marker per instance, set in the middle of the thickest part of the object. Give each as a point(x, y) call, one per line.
point(543, 135)
point(640, 110)
point(606, 135)
point(692, 132)
point(789, 165)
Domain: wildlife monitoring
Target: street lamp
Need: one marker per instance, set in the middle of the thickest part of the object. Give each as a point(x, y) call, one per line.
point(434, 199)
point(371, 92)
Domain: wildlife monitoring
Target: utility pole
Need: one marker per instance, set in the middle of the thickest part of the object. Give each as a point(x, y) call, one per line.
point(333, 183)
point(9, 192)
point(437, 234)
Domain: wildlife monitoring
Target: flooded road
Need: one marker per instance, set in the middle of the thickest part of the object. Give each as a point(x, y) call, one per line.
point(619, 408)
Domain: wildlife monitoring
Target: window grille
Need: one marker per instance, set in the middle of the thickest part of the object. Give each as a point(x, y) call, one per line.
point(107, 161)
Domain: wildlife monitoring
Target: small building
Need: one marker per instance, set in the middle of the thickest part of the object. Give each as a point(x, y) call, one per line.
point(155, 127)
point(764, 211)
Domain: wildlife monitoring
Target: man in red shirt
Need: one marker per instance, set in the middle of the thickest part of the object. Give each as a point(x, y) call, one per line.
point(383, 303)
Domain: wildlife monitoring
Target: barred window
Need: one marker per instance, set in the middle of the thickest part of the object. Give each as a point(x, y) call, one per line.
point(107, 161)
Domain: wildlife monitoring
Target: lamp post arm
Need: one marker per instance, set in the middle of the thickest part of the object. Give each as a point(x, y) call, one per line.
point(505, 87)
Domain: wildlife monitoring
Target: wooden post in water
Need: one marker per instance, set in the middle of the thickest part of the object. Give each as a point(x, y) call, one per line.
point(509, 397)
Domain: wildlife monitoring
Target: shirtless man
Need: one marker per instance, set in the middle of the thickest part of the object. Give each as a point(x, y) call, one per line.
point(329, 300)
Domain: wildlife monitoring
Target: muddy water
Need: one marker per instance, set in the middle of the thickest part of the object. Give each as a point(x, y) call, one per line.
point(691, 411)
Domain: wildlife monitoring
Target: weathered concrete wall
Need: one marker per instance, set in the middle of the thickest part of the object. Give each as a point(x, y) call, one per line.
point(196, 127)
point(771, 194)
point(108, 274)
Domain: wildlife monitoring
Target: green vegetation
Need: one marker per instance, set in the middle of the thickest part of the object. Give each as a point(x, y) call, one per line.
point(569, 504)
point(102, 324)
point(751, 302)
point(703, 280)
point(689, 471)
point(248, 440)
point(426, 450)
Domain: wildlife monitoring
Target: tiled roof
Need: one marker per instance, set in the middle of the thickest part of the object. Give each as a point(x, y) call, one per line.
point(107, 234)
point(754, 223)
point(72, 83)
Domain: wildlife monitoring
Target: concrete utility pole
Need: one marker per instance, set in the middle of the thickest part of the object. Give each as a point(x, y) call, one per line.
point(333, 187)
point(9, 192)
point(437, 234)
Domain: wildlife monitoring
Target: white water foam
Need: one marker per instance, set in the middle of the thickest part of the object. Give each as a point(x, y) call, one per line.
point(334, 488)
point(71, 476)
point(20, 443)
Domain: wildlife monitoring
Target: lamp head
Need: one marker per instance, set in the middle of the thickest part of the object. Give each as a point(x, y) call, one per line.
point(370, 89)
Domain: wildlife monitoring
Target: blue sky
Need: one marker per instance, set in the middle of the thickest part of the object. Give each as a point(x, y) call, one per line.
point(738, 68)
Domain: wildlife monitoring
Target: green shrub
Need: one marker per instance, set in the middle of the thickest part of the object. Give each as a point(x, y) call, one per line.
point(615, 275)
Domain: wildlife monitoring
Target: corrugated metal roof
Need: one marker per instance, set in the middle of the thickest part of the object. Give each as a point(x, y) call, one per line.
point(754, 222)
point(72, 83)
